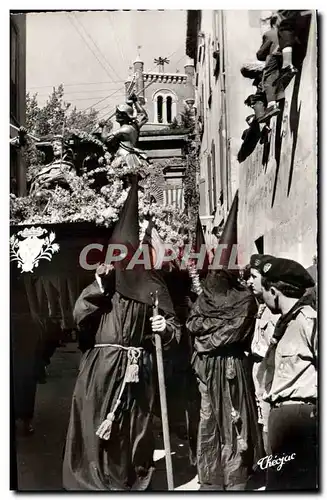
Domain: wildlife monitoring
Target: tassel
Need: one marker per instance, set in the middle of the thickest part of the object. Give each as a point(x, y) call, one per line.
point(132, 370)
point(132, 373)
point(193, 273)
point(236, 417)
point(241, 444)
point(230, 369)
point(104, 430)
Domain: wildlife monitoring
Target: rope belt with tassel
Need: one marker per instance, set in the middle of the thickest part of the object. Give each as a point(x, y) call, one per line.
point(131, 376)
point(235, 414)
point(194, 275)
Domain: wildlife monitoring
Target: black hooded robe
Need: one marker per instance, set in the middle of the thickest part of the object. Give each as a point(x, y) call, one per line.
point(222, 322)
point(125, 461)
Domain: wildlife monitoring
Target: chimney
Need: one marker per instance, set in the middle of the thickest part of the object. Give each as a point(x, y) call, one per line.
point(138, 67)
point(128, 87)
point(189, 71)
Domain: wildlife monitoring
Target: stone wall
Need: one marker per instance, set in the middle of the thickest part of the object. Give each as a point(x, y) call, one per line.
point(277, 197)
point(209, 102)
point(279, 201)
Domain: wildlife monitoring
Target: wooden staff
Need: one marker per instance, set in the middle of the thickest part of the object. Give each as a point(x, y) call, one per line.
point(137, 93)
point(163, 399)
point(129, 90)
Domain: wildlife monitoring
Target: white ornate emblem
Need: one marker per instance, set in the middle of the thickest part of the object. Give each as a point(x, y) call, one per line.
point(266, 267)
point(30, 246)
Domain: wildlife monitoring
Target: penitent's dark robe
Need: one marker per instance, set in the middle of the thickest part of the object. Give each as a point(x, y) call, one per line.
point(229, 440)
point(125, 461)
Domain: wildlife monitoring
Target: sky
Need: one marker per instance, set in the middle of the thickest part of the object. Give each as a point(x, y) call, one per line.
point(90, 52)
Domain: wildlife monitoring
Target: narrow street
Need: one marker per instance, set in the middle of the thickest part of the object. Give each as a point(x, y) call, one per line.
point(39, 456)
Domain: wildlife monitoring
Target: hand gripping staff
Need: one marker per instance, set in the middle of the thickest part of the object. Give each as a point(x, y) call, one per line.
point(163, 398)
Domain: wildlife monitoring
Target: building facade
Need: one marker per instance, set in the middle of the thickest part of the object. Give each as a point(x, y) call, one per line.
point(165, 96)
point(17, 99)
point(277, 183)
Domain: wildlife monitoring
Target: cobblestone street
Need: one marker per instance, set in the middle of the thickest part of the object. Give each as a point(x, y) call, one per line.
point(39, 456)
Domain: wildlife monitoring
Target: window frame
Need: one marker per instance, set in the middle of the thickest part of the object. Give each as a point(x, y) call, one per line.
point(164, 94)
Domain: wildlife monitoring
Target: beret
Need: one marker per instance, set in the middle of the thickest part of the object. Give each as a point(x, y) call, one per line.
point(286, 270)
point(257, 261)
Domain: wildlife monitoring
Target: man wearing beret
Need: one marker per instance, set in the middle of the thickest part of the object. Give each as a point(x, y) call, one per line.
point(291, 386)
point(264, 329)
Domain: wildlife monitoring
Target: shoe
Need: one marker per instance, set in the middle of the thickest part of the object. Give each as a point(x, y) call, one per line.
point(285, 76)
point(270, 112)
point(245, 133)
point(250, 138)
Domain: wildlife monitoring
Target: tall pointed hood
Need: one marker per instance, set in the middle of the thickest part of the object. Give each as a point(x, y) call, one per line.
point(199, 241)
point(223, 295)
point(229, 235)
point(136, 283)
point(126, 230)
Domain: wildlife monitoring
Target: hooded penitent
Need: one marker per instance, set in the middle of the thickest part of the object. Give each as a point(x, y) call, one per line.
point(212, 301)
point(222, 323)
point(109, 443)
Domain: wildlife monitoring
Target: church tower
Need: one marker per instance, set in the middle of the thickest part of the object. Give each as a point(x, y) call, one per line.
point(165, 96)
point(165, 93)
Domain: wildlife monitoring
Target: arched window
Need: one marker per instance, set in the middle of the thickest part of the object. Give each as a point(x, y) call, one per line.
point(159, 108)
point(169, 102)
point(165, 106)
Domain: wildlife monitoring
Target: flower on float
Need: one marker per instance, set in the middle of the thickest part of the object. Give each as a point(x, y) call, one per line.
point(84, 204)
point(122, 197)
point(109, 213)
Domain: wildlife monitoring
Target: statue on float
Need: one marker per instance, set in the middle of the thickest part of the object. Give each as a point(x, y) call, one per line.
point(131, 117)
point(126, 158)
point(118, 157)
point(55, 173)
